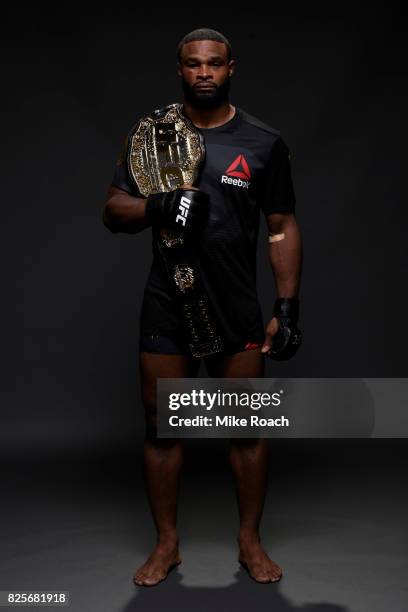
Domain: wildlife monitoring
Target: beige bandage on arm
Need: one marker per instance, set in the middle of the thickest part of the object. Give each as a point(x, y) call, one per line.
point(276, 237)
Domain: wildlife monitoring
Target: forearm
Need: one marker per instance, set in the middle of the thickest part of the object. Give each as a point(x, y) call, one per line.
point(124, 212)
point(285, 255)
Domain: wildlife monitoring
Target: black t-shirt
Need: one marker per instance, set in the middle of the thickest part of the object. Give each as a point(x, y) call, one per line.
point(246, 170)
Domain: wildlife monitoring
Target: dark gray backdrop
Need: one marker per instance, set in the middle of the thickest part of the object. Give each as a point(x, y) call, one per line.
point(74, 511)
point(75, 82)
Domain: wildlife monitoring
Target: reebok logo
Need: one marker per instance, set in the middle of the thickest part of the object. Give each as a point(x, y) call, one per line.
point(239, 169)
point(183, 208)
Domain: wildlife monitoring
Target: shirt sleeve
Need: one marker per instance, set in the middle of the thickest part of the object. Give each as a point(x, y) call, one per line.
point(278, 194)
point(121, 176)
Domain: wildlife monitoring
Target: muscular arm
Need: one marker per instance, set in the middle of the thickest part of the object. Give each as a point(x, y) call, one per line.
point(123, 212)
point(285, 255)
point(126, 213)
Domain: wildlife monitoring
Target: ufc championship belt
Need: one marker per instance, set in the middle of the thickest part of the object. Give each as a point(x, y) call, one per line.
point(165, 152)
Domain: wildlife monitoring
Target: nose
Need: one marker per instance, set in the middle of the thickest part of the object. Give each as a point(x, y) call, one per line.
point(203, 72)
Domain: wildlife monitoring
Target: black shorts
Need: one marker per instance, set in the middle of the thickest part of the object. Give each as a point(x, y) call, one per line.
point(165, 345)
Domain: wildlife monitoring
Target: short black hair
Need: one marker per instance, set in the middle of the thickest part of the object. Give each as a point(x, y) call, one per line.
point(204, 34)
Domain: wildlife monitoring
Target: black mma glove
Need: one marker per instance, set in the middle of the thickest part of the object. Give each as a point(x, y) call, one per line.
point(288, 338)
point(183, 209)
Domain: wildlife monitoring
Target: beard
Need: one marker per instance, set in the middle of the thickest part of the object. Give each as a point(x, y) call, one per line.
point(206, 100)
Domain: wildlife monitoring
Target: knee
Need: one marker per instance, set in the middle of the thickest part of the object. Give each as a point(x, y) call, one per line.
point(151, 426)
point(151, 434)
point(150, 411)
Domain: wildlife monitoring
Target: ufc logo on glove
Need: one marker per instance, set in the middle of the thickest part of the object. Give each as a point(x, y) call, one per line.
point(183, 208)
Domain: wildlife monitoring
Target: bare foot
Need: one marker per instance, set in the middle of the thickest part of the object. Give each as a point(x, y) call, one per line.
point(257, 563)
point(164, 557)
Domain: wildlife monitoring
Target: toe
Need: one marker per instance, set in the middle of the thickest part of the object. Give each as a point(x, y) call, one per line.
point(276, 575)
point(264, 577)
point(260, 574)
point(153, 579)
point(138, 576)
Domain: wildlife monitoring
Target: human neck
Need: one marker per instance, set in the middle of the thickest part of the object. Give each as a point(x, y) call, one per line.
point(209, 118)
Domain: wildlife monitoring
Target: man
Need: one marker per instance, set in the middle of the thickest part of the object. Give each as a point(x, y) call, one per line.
point(246, 170)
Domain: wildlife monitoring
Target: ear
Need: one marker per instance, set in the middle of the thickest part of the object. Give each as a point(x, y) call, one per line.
point(231, 67)
point(179, 68)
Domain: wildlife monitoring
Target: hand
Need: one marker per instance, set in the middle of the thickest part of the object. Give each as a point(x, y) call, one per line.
point(282, 335)
point(270, 331)
point(185, 209)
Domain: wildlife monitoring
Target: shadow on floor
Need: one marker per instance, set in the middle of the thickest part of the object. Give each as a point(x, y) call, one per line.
point(244, 594)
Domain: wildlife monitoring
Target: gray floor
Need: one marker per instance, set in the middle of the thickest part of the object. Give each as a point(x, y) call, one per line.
point(335, 520)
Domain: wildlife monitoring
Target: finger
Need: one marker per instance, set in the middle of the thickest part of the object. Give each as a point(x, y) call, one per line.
point(268, 343)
